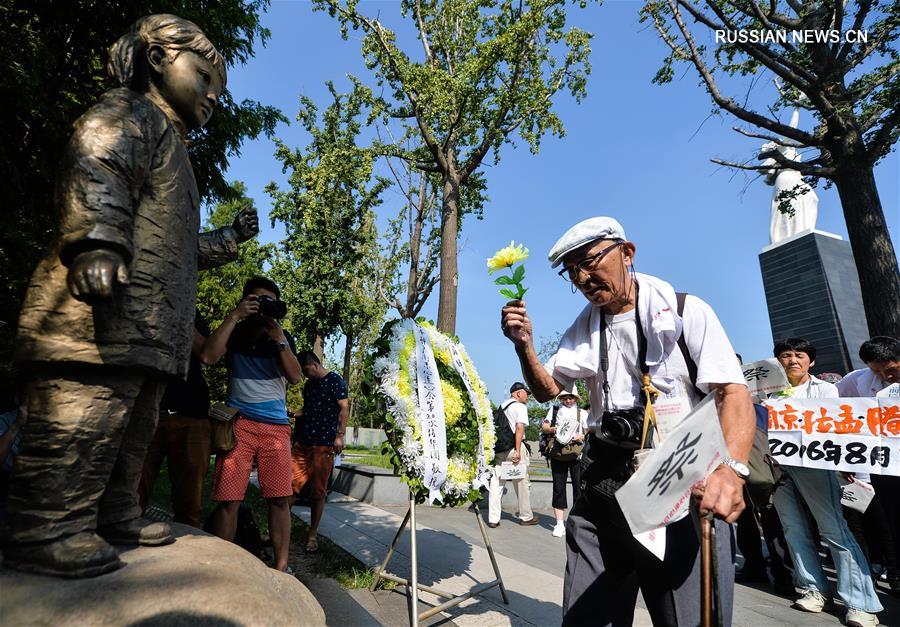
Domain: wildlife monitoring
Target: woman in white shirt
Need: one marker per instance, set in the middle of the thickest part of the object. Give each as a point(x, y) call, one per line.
point(566, 423)
point(819, 490)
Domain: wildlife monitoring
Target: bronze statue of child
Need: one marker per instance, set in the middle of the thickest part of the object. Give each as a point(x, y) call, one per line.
point(109, 313)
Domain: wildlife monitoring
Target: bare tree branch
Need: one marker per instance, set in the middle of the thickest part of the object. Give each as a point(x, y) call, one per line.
point(423, 34)
point(771, 138)
point(778, 63)
point(804, 168)
point(864, 7)
point(881, 141)
point(728, 103)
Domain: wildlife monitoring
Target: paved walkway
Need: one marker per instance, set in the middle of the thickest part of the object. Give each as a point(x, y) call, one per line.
point(452, 557)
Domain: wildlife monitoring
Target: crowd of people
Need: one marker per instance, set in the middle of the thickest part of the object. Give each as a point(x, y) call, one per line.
point(636, 342)
point(261, 360)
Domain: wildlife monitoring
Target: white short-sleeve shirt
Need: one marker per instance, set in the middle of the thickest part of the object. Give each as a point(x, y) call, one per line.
point(516, 413)
point(706, 341)
point(862, 383)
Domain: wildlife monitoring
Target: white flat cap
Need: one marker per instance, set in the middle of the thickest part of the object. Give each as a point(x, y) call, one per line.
point(583, 233)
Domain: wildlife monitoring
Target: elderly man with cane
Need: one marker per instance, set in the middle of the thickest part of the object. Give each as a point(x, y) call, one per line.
point(636, 341)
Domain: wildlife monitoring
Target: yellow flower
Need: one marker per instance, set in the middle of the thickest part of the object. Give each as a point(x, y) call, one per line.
point(443, 355)
point(507, 257)
point(453, 403)
point(460, 475)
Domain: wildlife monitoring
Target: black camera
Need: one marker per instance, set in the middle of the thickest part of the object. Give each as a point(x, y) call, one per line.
point(271, 307)
point(623, 427)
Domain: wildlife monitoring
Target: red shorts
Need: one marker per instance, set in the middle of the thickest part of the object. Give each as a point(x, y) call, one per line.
point(270, 445)
point(312, 465)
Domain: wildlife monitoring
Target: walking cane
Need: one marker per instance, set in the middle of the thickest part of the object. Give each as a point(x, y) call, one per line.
point(710, 605)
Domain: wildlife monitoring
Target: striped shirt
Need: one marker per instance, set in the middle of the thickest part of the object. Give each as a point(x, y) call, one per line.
point(256, 383)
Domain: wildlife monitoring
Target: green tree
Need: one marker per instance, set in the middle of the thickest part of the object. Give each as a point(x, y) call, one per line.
point(488, 70)
point(219, 289)
point(328, 211)
point(852, 88)
point(55, 57)
point(414, 235)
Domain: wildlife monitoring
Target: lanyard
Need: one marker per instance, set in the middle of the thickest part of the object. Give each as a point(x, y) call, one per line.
point(604, 353)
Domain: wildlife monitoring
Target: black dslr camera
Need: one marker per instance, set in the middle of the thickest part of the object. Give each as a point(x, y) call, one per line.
point(623, 427)
point(271, 307)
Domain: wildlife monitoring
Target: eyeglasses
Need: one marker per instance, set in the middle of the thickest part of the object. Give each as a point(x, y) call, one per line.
point(571, 273)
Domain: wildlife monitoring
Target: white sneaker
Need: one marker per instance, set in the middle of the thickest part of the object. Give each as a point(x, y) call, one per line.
point(559, 530)
point(812, 601)
point(858, 618)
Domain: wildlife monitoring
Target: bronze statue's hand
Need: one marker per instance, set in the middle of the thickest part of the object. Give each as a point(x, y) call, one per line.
point(515, 323)
point(93, 275)
point(246, 224)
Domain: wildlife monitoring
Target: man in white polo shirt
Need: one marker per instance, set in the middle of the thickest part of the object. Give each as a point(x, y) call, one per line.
point(627, 336)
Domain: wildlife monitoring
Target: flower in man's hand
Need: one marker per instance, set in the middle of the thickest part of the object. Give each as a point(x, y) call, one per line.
point(506, 258)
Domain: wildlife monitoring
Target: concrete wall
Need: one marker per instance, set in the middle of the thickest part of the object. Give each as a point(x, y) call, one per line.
point(363, 436)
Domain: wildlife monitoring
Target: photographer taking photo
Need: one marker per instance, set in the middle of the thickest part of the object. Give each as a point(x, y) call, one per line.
point(625, 345)
point(261, 360)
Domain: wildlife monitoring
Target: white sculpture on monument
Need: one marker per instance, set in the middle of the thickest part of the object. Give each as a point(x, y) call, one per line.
point(789, 186)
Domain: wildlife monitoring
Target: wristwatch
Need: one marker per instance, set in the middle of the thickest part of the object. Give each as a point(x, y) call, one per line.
point(282, 346)
point(740, 468)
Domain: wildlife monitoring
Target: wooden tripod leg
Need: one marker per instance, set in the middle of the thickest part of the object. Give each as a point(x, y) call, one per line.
point(390, 553)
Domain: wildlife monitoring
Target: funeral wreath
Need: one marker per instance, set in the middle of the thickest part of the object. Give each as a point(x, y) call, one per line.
point(439, 422)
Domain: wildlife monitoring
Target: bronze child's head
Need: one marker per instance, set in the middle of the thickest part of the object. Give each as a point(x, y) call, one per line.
point(171, 60)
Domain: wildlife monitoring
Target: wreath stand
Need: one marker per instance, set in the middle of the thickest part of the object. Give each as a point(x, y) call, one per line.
point(413, 586)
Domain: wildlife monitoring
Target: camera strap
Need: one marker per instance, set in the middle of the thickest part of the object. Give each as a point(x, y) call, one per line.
point(650, 393)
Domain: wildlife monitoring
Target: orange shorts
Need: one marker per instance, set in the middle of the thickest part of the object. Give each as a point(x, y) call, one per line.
point(312, 465)
point(270, 445)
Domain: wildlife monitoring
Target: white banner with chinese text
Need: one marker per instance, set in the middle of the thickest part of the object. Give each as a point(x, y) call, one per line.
point(659, 492)
point(765, 376)
point(857, 435)
point(431, 416)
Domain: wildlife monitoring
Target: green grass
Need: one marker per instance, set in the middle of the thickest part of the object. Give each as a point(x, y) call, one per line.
point(379, 461)
point(369, 450)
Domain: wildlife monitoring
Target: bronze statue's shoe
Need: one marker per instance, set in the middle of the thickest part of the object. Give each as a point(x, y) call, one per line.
point(138, 531)
point(83, 555)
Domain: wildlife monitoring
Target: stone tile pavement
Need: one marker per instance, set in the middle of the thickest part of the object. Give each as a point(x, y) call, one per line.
point(452, 557)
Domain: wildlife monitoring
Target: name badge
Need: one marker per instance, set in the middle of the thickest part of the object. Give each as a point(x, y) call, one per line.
point(671, 408)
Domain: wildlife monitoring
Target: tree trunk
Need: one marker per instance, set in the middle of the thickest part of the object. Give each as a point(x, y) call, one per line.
point(318, 347)
point(876, 261)
point(348, 354)
point(449, 283)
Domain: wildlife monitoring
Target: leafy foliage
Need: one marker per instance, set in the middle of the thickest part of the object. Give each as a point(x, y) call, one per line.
point(329, 262)
point(55, 57)
point(489, 72)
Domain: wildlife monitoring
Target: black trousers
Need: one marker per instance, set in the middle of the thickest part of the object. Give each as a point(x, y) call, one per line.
point(876, 530)
point(606, 566)
point(560, 471)
point(748, 526)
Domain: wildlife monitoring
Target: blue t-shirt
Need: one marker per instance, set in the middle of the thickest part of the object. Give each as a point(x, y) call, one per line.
point(319, 423)
point(256, 383)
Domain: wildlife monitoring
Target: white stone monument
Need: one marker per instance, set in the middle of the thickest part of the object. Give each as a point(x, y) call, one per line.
point(805, 203)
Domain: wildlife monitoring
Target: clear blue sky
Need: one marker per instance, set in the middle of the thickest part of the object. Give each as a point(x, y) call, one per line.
point(635, 151)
